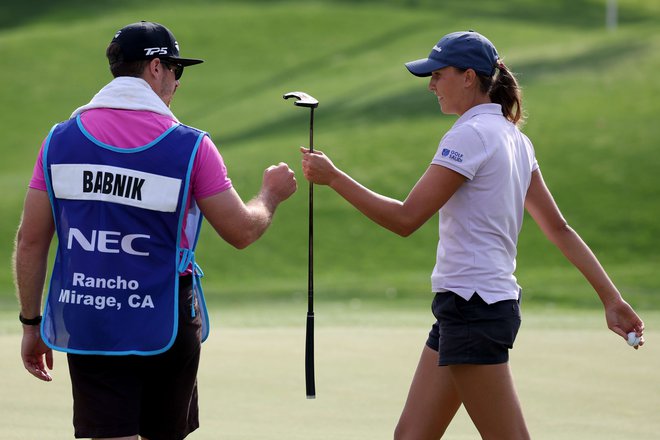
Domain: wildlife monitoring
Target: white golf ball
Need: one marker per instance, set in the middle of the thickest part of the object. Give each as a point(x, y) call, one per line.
point(633, 339)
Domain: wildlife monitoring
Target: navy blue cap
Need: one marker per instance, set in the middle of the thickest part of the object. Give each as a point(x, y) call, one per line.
point(147, 40)
point(464, 50)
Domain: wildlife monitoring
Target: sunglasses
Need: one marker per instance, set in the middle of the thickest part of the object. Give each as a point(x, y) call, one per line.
point(176, 68)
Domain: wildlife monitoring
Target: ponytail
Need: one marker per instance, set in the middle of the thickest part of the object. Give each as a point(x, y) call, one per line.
point(502, 88)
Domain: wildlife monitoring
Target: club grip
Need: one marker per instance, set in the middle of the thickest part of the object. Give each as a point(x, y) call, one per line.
point(309, 357)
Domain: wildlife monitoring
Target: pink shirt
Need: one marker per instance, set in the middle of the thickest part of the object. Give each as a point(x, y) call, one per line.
point(132, 128)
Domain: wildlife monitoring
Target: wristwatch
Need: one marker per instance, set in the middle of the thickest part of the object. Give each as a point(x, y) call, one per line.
point(31, 321)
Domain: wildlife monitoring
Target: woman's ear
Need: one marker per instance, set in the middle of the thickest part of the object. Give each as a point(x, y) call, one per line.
point(470, 78)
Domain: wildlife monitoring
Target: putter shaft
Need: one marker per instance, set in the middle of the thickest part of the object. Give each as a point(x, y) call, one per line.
point(305, 100)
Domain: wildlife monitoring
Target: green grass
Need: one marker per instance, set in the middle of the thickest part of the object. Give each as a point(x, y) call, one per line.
point(574, 377)
point(589, 93)
point(590, 96)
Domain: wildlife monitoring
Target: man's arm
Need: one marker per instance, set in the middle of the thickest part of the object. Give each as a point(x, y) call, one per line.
point(241, 224)
point(30, 264)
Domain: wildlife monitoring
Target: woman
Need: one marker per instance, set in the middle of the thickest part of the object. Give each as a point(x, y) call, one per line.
point(481, 179)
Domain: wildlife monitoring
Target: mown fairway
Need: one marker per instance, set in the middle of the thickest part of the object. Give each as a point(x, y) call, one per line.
point(592, 101)
point(575, 379)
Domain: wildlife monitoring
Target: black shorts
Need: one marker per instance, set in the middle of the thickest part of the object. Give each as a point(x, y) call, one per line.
point(473, 332)
point(153, 396)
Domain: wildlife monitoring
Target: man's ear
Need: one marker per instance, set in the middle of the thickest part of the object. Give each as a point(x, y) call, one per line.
point(152, 72)
point(153, 69)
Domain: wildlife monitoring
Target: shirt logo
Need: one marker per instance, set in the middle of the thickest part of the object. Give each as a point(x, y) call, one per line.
point(453, 155)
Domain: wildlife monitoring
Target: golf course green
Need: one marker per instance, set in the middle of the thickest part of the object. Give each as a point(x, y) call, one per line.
point(591, 98)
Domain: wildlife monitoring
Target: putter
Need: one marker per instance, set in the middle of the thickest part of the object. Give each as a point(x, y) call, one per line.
point(305, 100)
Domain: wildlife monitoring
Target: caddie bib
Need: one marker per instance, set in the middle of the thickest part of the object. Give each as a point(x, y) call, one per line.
point(119, 215)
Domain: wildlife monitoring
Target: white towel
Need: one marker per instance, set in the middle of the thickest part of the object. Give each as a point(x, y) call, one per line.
point(127, 93)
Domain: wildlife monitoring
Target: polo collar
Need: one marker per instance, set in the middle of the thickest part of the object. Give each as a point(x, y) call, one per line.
point(481, 109)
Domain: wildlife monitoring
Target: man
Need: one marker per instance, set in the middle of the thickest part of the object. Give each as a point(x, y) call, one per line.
point(124, 185)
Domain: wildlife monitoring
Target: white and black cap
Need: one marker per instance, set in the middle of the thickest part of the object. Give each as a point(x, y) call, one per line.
point(147, 40)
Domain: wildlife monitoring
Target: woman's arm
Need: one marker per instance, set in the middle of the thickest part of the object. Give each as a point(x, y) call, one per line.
point(428, 195)
point(621, 318)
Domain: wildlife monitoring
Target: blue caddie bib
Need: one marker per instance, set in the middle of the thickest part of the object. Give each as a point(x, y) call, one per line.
point(119, 215)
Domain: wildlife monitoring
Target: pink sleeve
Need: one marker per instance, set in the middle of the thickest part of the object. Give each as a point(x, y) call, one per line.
point(209, 175)
point(38, 181)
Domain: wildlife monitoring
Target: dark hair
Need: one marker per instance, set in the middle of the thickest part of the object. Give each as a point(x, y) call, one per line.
point(119, 67)
point(502, 88)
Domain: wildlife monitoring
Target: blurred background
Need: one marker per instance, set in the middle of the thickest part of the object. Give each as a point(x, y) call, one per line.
point(590, 93)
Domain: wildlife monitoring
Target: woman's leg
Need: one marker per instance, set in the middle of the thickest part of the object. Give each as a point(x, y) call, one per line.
point(489, 396)
point(134, 437)
point(432, 401)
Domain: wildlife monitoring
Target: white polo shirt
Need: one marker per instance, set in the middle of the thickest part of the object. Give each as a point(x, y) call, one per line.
point(480, 223)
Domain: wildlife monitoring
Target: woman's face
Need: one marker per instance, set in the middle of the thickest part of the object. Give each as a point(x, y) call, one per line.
point(448, 84)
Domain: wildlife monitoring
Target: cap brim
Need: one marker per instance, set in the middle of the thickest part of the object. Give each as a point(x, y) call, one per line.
point(184, 61)
point(424, 66)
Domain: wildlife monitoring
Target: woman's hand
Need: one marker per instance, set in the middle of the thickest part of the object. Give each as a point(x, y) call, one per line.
point(622, 319)
point(317, 167)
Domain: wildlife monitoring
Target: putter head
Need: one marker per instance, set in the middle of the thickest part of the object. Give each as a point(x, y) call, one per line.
point(302, 99)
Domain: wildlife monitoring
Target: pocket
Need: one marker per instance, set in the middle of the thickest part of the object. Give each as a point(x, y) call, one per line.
point(436, 304)
point(444, 306)
point(515, 308)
